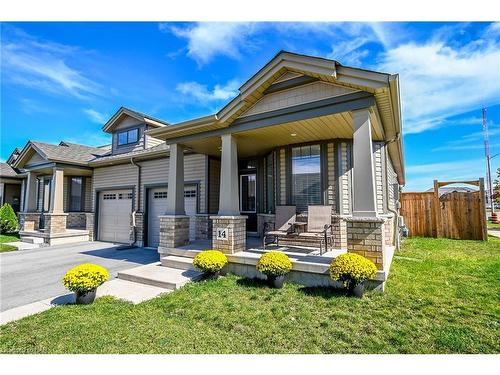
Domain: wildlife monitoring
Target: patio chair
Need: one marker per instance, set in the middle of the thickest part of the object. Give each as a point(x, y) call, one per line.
point(319, 226)
point(283, 224)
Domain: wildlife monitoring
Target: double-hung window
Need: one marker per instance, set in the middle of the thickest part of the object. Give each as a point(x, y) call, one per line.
point(306, 176)
point(128, 137)
point(76, 193)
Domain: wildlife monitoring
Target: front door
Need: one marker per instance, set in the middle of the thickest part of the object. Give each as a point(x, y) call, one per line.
point(248, 199)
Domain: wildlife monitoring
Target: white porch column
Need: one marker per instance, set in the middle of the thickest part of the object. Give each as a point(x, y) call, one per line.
point(31, 193)
point(364, 199)
point(175, 196)
point(229, 196)
point(57, 191)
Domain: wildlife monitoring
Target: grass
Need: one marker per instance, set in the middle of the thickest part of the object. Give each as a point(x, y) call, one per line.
point(493, 226)
point(441, 297)
point(7, 238)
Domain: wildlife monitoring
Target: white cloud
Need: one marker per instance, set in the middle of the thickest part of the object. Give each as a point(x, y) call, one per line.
point(43, 65)
point(205, 40)
point(96, 116)
point(439, 81)
point(204, 95)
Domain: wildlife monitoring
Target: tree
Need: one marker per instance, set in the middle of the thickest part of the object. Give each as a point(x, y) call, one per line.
point(496, 188)
point(8, 219)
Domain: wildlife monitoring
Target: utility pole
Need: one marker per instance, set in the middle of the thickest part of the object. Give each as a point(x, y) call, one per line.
point(488, 161)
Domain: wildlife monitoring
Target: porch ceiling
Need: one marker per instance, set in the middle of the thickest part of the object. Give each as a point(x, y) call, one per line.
point(259, 141)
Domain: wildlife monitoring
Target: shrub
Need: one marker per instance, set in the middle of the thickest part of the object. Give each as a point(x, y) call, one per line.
point(8, 219)
point(210, 261)
point(274, 263)
point(85, 277)
point(352, 269)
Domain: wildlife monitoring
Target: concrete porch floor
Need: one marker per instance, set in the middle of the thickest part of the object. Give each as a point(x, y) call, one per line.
point(254, 246)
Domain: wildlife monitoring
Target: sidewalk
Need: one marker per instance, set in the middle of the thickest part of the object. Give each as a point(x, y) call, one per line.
point(121, 289)
point(494, 232)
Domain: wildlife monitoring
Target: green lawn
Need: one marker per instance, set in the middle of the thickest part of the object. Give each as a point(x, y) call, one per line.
point(7, 238)
point(441, 297)
point(493, 226)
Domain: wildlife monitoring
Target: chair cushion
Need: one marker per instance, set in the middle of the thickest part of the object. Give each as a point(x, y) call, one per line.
point(277, 233)
point(311, 234)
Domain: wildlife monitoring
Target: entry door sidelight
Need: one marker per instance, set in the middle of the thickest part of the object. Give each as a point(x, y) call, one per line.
point(248, 199)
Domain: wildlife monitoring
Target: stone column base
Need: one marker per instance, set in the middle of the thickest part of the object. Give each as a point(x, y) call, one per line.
point(366, 236)
point(232, 233)
point(55, 222)
point(28, 221)
point(174, 231)
point(89, 224)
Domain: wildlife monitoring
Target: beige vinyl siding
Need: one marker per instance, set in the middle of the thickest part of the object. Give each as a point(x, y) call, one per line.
point(88, 194)
point(114, 177)
point(393, 188)
point(35, 159)
point(156, 172)
point(151, 142)
point(214, 185)
point(282, 177)
point(331, 193)
point(379, 181)
point(66, 193)
point(345, 181)
point(299, 95)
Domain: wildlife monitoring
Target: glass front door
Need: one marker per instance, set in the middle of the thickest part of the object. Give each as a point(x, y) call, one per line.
point(248, 199)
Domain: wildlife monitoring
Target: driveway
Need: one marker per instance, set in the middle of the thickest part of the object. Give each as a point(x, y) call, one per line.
point(28, 276)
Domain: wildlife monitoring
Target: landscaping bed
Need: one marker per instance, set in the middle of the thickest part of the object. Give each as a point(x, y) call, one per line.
point(441, 297)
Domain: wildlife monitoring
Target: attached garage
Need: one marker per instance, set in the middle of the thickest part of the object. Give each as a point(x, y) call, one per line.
point(115, 208)
point(157, 205)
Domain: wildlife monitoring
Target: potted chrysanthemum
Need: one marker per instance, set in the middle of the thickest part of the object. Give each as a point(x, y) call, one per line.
point(84, 280)
point(352, 270)
point(210, 262)
point(275, 266)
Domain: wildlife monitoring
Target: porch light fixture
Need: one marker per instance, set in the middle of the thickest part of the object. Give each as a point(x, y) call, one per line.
point(293, 134)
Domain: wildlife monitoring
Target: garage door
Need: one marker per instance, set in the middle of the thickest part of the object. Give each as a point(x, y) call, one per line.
point(157, 203)
point(115, 207)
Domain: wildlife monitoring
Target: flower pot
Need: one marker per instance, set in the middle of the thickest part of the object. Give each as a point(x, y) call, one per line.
point(357, 290)
point(212, 275)
point(85, 298)
point(276, 281)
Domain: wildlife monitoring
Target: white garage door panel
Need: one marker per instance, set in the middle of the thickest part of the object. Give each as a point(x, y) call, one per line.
point(157, 202)
point(115, 207)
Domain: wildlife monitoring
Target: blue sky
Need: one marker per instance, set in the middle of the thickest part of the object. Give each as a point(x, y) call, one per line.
point(62, 81)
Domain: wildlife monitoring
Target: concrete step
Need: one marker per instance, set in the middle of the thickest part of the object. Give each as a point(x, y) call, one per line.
point(157, 275)
point(32, 240)
point(180, 263)
point(181, 253)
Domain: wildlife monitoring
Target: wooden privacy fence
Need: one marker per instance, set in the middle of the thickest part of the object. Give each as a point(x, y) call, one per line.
point(457, 215)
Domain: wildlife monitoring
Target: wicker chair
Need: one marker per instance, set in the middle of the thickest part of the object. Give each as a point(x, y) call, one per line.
point(283, 225)
point(319, 226)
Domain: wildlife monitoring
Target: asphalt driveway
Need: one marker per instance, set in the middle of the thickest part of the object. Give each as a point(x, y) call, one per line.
point(28, 276)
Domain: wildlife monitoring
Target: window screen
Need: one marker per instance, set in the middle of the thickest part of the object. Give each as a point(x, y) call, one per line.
point(306, 176)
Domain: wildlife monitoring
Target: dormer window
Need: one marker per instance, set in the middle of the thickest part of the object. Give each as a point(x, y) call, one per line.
point(128, 137)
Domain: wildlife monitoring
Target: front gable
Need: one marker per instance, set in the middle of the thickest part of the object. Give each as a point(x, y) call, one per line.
point(30, 156)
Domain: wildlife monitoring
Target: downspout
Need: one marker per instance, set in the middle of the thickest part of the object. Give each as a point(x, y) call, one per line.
point(395, 240)
point(138, 195)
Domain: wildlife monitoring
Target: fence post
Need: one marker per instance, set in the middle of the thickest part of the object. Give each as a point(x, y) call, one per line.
point(437, 208)
point(482, 205)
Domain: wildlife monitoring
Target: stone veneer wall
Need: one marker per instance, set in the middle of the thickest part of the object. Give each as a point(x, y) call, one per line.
point(366, 236)
point(139, 228)
point(389, 231)
point(174, 231)
point(236, 236)
point(89, 224)
point(29, 221)
point(76, 220)
point(55, 223)
point(203, 227)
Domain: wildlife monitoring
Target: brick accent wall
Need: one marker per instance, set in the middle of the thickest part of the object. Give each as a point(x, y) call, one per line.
point(174, 231)
point(203, 227)
point(389, 231)
point(236, 233)
point(139, 228)
point(55, 223)
point(366, 236)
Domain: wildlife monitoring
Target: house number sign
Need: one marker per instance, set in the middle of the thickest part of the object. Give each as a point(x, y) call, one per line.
point(222, 233)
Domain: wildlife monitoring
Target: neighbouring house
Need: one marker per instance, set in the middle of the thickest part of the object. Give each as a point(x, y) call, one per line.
point(302, 131)
point(10, 182)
